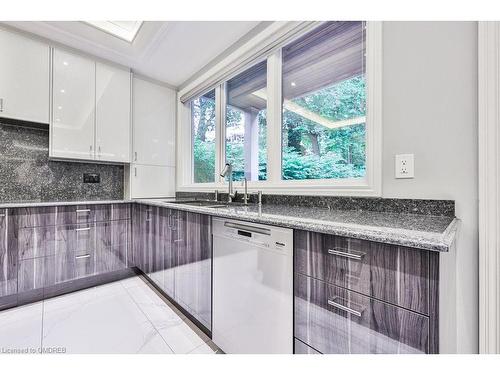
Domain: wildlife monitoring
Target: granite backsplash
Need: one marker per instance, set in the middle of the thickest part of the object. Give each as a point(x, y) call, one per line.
point(27, 174)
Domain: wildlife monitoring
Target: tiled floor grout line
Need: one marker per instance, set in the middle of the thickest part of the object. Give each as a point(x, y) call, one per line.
point(41, 327)
point(149, 320)
point(184, 318)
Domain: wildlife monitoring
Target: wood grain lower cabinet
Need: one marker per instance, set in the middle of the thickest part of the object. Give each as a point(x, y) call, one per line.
point(193, 275)
point(8, 259)
point(391, 273)
point(174, 248)
point(144, 221)
point(36, 274)
point(44, 247)
point(335, 320)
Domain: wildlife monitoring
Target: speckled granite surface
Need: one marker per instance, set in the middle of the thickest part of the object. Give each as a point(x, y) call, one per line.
point(27, 175)
point(436, 233)
point(427, 232)
point(66, 203)
point(433, 207)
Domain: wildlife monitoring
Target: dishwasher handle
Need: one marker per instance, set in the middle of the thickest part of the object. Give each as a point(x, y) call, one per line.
point(248, 228)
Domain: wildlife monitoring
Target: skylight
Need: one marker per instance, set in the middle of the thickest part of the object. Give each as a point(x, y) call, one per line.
point(126, 30)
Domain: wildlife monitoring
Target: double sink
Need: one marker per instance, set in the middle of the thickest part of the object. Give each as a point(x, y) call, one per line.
point(207, 203)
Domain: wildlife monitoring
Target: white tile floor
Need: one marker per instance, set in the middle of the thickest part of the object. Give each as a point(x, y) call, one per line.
point(122, 317)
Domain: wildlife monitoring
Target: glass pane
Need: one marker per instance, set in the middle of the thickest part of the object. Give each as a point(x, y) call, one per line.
point(246, 124)
point(203, 125)
point(324, 103)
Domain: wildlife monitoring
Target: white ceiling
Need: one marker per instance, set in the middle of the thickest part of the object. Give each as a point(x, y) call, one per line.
point(167, 51)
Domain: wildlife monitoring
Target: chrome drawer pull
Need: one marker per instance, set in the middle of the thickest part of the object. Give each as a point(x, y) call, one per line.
point(82, 211)
point(82, 229)
point(82, 256)
point(332, 302)
point(353, 255)
point(2, 215)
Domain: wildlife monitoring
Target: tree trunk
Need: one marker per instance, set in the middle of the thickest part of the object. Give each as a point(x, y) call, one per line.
point(314, 143)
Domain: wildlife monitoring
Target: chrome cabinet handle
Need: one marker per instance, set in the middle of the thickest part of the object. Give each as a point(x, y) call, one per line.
point(352, 255)
point(99, 151)
point(135, 171)
point(135, 156)
point(2, 215)
point(1, 104)
point(339, 306)
point(82, 229)
point(82, 256)
point(90, 151)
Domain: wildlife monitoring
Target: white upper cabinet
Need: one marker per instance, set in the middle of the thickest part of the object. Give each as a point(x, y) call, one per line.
point(73, 106)
point(24, 78)
point(90, 110)
point(153, 123)
point(112, 113)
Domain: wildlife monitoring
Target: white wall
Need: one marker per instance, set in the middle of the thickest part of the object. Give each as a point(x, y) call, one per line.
point(430, 110)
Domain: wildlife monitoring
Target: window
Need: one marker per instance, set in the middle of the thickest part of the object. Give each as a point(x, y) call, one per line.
point(324, 104)
point(246, 102)
point(303, 116)
point(203, 112)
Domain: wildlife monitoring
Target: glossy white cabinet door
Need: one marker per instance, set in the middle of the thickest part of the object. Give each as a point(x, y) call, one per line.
point(112, 114)
point(73, 106)
point(152, 181)
point(24, 78)
point(153, 123)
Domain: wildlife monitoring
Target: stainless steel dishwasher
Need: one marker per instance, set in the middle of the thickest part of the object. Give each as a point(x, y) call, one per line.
point(252, 287)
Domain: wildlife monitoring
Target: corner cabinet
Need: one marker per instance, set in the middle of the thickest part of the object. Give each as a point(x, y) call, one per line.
point(174, 249)
point(24, 78)
point(90, 117)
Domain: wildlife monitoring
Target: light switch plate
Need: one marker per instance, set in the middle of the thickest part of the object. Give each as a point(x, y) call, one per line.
point(405, 166)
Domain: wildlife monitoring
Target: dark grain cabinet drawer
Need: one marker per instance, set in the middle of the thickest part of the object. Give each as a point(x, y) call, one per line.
point(334, 320)
point(74, 265)
point(35, 273)
point(83, 214)
point(394, 274)
point(29, 217)
point(36, 242)
point(75, 238)
point(121, 211)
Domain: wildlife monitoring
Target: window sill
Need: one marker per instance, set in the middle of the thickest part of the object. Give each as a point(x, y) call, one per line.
point(308, 187)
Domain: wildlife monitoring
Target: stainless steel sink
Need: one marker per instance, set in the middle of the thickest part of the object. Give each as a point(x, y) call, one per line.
point(207, 203)
point(199, 203)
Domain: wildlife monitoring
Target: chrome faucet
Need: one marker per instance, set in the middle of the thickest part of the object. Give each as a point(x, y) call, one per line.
point(245, 195)
point(228, 171)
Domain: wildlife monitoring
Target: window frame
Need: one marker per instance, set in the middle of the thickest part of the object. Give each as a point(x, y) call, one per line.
point(369, 185)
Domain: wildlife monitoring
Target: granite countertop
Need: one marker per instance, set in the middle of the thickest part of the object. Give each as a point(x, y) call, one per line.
point(426, 232)
point(65, 203)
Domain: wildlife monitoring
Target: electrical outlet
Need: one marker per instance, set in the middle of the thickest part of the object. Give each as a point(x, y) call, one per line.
point(91, 178)
point(404, 166)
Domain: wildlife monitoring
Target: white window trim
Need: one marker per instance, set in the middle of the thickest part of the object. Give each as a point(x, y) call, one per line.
point(370, 185)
